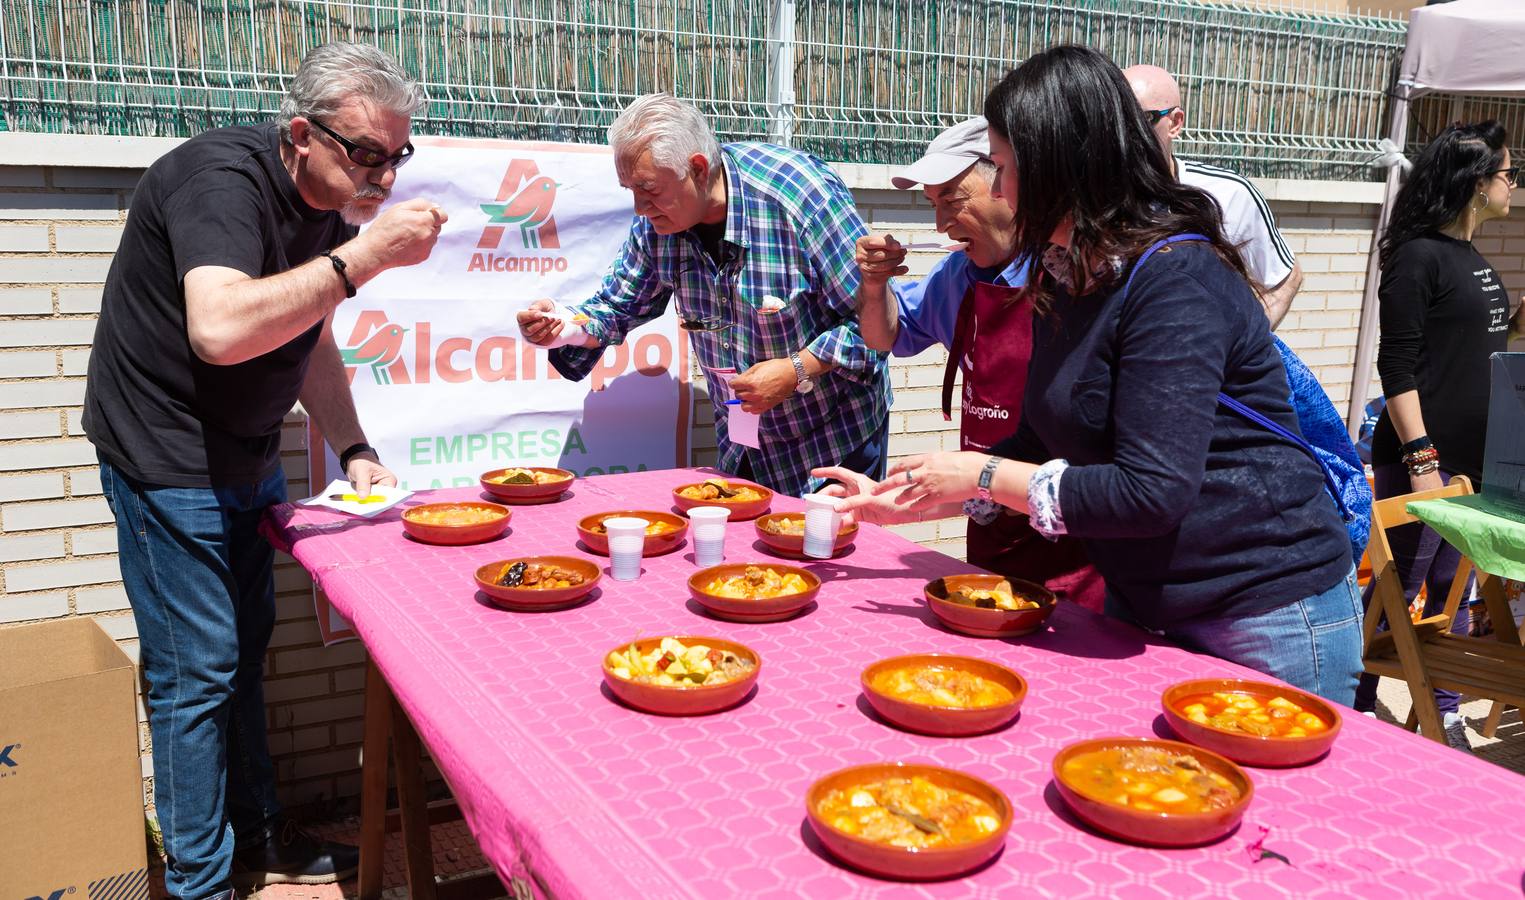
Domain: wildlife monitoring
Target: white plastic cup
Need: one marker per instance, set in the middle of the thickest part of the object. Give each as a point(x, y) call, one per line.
point(822, 522)
point(627, 543)
point(708, 524)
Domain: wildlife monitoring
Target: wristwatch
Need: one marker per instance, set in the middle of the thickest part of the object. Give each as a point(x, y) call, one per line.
point(803, 383)
point(987, 475)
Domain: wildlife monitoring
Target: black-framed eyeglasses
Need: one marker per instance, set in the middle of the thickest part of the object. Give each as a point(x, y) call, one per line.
point(365, 156)
point(1155, 115)
point(1511, 175)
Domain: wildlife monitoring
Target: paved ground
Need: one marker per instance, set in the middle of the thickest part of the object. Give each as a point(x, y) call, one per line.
point(455, 855)
point(1506, 748)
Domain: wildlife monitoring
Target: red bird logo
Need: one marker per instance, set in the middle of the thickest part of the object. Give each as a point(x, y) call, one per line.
point(378, 351)
point(525, 198)
point(529, 209)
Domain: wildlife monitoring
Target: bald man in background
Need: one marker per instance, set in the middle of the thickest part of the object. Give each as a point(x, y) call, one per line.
point(1247, 219)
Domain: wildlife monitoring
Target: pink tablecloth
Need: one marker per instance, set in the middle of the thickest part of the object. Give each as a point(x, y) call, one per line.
point(560, 782)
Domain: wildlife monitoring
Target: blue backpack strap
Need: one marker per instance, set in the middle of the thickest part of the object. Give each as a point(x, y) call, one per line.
point(1240, 408)
point(1156, 246)
point(1262, 421)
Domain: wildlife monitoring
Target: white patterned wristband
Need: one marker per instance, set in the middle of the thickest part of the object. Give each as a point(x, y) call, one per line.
point(1043, 499)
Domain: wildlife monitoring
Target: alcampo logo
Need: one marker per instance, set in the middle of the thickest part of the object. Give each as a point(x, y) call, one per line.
point(412, 355)
point(379, 351)
point(529, 208)
point(525, 200)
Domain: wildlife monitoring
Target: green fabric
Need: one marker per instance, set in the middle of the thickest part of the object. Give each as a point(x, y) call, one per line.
point(1495, 544)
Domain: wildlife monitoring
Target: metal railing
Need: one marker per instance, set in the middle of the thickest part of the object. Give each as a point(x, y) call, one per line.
point(1273, 92)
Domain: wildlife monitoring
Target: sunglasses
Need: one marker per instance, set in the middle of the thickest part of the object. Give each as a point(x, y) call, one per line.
point(1155, 115)
point(1511, 175)
point(365, 157)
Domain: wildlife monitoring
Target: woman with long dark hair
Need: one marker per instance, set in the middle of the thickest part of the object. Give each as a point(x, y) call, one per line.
point(1207, 527)
point(1443, 311)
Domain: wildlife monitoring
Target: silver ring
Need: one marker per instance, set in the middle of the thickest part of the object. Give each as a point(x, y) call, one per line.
point(909, 478)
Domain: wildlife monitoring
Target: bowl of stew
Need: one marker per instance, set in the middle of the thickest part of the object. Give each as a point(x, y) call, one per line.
point(744, 499)
point(527, 485)
point(989, 605)
point(754, 592)
point(538, 583)
point(909, 821)
point(466, 522)
point(943, 695)
point(1252, 722)
point(784, 534)
point(665, 531)
point(1153, 792)
point(681, 675)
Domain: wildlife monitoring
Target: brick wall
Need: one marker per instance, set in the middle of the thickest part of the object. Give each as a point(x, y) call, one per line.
point(59, 225)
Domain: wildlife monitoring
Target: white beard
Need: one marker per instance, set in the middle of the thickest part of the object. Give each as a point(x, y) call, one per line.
point(354, 214)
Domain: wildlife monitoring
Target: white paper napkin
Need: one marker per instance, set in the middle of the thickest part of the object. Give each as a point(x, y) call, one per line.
point(743, 427)
point(340, 487)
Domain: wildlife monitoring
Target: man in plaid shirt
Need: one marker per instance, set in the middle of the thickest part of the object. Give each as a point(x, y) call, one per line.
point(756, 243)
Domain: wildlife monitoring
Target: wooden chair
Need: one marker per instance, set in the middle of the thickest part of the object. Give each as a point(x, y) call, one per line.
point(1425, 654)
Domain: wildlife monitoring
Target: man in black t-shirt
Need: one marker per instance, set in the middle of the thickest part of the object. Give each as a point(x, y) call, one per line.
point(215, 321)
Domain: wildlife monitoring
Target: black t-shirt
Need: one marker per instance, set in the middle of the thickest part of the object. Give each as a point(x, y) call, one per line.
point(1444, 311)
point(712, 237)
point(152, 407)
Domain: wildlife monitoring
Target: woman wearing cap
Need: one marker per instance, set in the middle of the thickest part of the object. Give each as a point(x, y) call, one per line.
point(1208, 528)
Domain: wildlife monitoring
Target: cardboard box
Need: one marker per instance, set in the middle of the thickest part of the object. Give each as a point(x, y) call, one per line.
point(71, 792)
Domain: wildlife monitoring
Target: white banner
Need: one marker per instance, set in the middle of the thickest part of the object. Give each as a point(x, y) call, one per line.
point(445, 385)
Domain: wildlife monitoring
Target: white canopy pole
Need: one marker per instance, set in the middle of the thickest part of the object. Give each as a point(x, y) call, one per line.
point(1366, 338)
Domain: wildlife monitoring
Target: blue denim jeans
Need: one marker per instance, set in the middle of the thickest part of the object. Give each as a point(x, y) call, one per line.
point(1313, 644)
point(201, 584)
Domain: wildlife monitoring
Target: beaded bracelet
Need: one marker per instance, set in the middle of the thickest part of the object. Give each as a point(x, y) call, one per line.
point(1424, 468)
point(1428, 454)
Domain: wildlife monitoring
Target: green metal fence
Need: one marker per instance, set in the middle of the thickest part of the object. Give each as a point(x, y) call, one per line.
point(1273, 93)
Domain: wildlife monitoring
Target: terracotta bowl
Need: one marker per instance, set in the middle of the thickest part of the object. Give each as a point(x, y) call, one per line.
point(1249, 749)
point(904, 863)
point(972, 620)
point(771, 610)
point(740, 511)
point(529, 494)
point(655, 545)
point(1157, 829)
point(793, 545)
point(530, 599)
point(683, 701)
point(454, 535)
point(944, 721)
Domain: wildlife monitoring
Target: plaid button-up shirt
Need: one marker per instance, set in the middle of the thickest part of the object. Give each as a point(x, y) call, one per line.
point(790, 230)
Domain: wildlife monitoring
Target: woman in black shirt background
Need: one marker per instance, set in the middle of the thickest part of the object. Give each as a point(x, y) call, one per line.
point(1443, 312)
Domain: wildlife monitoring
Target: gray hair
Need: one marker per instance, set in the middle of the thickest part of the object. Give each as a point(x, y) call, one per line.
point(986, 170)
point(337, 71)
point(671, 129)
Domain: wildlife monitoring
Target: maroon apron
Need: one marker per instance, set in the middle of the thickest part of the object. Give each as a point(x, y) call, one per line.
point(992, 344)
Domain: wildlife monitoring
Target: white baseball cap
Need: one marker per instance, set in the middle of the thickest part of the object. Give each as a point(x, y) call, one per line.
point(950, 153)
